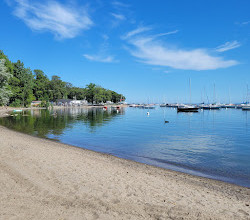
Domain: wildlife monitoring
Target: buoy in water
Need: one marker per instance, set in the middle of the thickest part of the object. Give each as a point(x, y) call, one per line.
point(147, 113)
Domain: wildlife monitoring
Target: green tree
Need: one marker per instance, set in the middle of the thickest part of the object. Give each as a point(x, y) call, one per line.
point(90, 92)
point(58, 88)
point(8, 63)
point(78, 93)
point(21, 85)
point(4, 89)
point(41, 86)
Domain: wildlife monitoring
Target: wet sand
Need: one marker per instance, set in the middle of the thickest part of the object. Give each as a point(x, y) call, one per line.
point(43, 179)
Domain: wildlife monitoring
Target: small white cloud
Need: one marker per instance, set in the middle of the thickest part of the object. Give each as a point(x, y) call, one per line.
point(118, 16)
point(150, 51)
point(245, 23)
point(99, 58)
point(228, 46)
point(119, 4)
point(105, 37)
point(64, 21)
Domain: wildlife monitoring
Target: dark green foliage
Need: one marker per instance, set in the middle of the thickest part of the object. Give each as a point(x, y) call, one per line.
point(76, 93)
point(98, 94)
point(8, 63)
point(57, 88)
point(22, 86)
point(5, 74)
point(41, 86)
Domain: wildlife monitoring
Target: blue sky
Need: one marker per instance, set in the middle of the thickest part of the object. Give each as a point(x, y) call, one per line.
point(146, 50)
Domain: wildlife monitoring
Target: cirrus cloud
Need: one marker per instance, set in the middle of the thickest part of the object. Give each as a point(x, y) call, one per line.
point(151, 51)
point(228, 46)
point(64, 21)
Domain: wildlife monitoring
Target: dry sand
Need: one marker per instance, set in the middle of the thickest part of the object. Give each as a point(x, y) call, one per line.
point(43, 179)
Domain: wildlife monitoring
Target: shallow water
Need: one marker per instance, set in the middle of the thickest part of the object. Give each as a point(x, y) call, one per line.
point(211, 143)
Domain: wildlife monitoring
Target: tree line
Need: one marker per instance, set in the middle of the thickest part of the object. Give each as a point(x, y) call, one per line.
point(19, 86)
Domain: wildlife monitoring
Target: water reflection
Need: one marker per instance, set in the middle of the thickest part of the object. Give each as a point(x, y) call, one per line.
point(53, 122)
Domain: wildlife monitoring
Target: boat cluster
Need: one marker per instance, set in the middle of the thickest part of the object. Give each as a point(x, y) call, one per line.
point(195, 108)
point(150, 106)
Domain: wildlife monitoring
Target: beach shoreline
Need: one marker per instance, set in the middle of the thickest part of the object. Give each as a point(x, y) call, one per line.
point(41, 178)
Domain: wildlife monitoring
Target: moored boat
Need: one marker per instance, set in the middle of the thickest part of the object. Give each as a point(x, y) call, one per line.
point(246, 107)
point(211, 107)
point(187, 108)
point(228, 106)
point(148, 107)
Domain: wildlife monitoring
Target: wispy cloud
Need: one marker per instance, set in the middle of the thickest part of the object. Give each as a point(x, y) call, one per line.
point(245, 23)
point(100, 58)
point(119, 4)
point(228, 46)
point(102, 52)
point(151, 51)
point(167, 33)
point(135, 32)
point(166, 71)
point(64, 21)
point(118, 16)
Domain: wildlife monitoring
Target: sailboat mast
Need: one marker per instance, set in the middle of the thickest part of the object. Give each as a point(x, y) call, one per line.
point(214, 92)
point(247, 95)
point(229, 91)
point(190, 90)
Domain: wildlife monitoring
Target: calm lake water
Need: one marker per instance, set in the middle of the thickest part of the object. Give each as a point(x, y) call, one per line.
point(211, 143)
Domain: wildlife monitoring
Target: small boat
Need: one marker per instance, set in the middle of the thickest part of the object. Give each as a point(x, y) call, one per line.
point(163, 105)
point(240, 106)
point(246, 107)
point(228, 106)
point(211, 107)
point(148, 107)
point(187, 108)
point(133, 105)
point(17, 110)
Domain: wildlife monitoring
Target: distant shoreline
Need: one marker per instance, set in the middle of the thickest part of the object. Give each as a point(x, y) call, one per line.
point(4, 110)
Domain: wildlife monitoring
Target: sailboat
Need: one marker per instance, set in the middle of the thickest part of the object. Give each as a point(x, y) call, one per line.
point(230, 105)
point(213, 106)
point(246, 106)
point(190, 107)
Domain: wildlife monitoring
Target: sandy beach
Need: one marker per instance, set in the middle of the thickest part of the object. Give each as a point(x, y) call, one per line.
point(43, 179)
